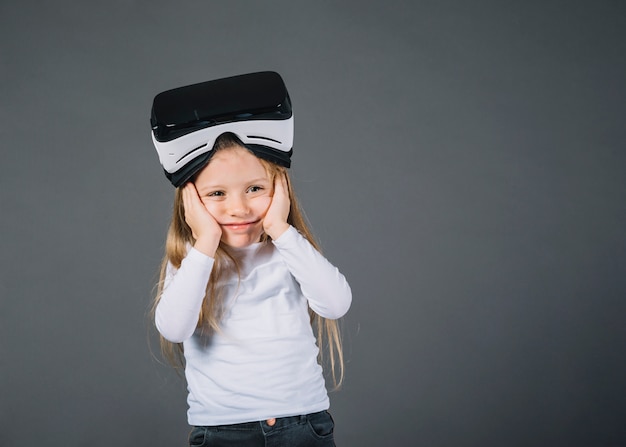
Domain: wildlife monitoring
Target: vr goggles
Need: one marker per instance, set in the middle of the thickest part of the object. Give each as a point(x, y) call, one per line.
point(186, 121)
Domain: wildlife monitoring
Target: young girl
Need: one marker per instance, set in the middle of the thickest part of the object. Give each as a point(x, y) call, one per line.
point(243, 288)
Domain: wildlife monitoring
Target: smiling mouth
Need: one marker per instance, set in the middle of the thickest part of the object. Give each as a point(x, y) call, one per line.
point(239, 225)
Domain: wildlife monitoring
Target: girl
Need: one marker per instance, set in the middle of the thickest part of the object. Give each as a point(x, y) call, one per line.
point(243, 288)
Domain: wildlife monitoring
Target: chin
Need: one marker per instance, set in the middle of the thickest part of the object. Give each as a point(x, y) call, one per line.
point(241, 242)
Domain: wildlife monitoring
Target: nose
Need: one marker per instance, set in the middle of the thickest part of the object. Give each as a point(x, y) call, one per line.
point(238, 206)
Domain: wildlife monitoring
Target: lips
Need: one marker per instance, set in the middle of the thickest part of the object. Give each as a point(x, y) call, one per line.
point(240, 225)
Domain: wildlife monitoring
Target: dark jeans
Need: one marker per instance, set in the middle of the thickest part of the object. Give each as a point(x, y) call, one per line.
point(312, 430)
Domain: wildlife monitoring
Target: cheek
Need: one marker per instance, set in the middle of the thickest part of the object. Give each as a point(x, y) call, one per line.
point(212, 207)
point(261, 204)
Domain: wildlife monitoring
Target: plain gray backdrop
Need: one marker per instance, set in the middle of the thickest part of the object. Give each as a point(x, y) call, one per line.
point(463, 163)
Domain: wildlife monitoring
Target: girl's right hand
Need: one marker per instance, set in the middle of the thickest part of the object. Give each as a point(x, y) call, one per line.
point(204, 228)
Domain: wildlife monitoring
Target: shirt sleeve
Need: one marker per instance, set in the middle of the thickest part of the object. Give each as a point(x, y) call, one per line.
point(325, 288)
point(176, 315)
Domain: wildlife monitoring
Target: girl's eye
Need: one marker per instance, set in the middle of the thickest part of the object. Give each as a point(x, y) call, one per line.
point(255, 188)
point(215, 194)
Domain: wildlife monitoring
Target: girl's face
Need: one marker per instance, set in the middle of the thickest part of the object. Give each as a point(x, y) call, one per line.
point(237, 191)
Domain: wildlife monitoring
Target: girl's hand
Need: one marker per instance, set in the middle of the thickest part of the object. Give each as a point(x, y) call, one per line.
point(275, 221)
point(204, 228)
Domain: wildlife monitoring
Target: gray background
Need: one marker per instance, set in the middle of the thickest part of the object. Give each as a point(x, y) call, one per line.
point(461, 162)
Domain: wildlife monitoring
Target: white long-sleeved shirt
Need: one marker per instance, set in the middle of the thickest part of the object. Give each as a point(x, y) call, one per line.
point(262, 363)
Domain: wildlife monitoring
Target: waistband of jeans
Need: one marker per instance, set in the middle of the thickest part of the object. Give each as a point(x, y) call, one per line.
point(280, 422)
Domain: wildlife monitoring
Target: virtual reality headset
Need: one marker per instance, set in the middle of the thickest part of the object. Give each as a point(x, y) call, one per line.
point(186, 121)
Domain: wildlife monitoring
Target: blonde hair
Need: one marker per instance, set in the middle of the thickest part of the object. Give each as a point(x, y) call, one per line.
point(179, 237)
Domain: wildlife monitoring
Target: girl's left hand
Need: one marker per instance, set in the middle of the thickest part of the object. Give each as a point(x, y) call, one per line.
point(275, 220)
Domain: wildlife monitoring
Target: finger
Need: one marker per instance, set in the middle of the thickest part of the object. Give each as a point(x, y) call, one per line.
point(280, 186)
point(279, 208)
point(186, 192)
point(193, 207)
point(186, 199)
point(191, 200)
point(284, 190)
point(190, 193)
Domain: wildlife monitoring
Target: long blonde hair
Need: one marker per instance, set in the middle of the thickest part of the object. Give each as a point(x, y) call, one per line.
point(179, 237)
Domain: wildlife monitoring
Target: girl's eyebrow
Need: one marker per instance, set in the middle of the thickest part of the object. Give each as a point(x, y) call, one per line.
point(209, 188)
point(260, 180)
point(217, 186)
